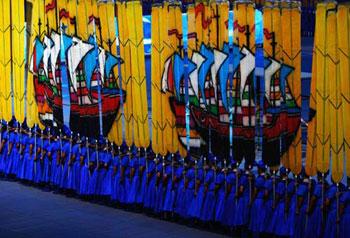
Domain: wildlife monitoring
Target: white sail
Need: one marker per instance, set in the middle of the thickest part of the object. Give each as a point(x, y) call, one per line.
point(269, 72)
point(219, 58)
point(47, 54)
point(247, 66)
point(102, 62)
point(75, 54)
point(165, 75)
point(55, 51)
point(198, 59)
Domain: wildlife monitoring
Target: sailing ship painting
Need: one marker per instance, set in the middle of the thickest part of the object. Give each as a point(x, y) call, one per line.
point(84, 73)
point(211, 104)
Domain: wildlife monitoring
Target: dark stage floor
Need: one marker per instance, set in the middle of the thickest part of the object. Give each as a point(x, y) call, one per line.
point(29, 212)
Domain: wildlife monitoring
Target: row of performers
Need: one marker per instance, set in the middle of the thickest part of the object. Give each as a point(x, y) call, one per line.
point(206, 191)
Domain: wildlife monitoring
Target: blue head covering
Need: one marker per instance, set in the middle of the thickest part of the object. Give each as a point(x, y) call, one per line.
point(261, 165)
point(283, 171)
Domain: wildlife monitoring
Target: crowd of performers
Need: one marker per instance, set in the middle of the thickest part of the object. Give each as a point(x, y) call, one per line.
point(207, 191)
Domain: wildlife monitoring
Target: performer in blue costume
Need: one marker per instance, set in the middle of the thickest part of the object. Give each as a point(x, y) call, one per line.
point(332, 196)
point(196, 204)
point(124, 174)
point(168, 182)
point(29, 156)
point(242, 209)
point(270, 199)
point(133, 180)
point(94, 170)
point(12, 151)
point(45, 160)
point(189, 187)
point(315, 211)
point(107, 158)
point(25, 148)
point(115, 176)
point(258, 209)
point(84, 169)
point(54, 156)
point(344, 212)
point(208, 210)
point(59, 161)
point(303, 192)
point(21, 142)
point(280, 216)
point(4, 147)
point(230, 195)
point(158, 206)
point(65, 158)
point(140, 195)
point(220, 192)
point(179, 186)
point(37, 158)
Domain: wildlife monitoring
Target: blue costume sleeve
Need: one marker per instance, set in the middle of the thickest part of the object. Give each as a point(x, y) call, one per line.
point(179, 172)
point(259, 182)
point(220, 178)
point(281, 187)
point(331, 192)
point(268, 184)
point(302, 190)
point(209, 177)
point(125, 161)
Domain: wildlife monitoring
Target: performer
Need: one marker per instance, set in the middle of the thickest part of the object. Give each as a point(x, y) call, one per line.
point(84, 160)
point(344, 212)
point(220, 192)
point(140, 195)
point(196, 204)
point(28, 165)
point(207, 213)
point(230, 199)
point(37, 156)
point(315, 210)
point(258, 209)
point(12, 153)
point(44, 158)
point(134, 178)
point(179, 187)
point(4, 147)
point(107, 158)
point(116, 176)
point(169, 198)
point(280, 216)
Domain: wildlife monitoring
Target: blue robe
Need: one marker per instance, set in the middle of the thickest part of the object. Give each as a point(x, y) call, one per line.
point(242, 209)
point(207, 213)
point(268, 204)
point(169, 198)
point(314, 228)
point(29, 166)
point(46, 168)
point(258, 209)
point(3, 155)
point(158, 206)
point(106, 189)
point(344, 225)
point(195, 208)
point(280, 216)
point(220, 197)
point(64, 176)
point(22, 163)
point(150, 195)
point(302, 192)
point(116, 177)
point(134, 181)
point(331, 226)
point(179, 188)
point(12, 158)
point(54, 148)
point(84, 173)
point(38, 163)
point(143, 181)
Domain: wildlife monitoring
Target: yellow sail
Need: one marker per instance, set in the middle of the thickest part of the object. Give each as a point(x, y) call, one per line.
point(158, 57)
point(138, 74)
point(37, 26)
point(5, 58)
point(126, 72)
point(18, 61)
point(291, 45)
point(322, 87)
point(343, 23)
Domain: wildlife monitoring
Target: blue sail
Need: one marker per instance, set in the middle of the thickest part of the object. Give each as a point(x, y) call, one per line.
point(89, 64)
point(39, 52)
point(205, 67)
point(179, 71)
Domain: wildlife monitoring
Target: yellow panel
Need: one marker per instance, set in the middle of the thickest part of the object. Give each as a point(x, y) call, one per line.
point(138, 74)
point(322, 89)
point(343, 21)
point(291, 55)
